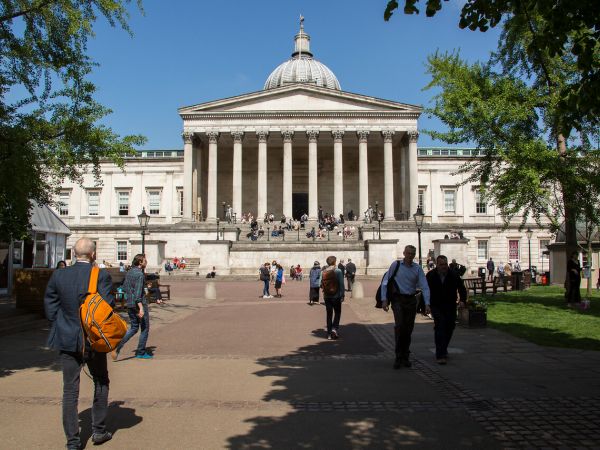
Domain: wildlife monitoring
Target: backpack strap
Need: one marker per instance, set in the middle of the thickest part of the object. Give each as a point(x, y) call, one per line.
point(93, 285)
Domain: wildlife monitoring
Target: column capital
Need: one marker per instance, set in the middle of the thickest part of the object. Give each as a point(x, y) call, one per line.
point(262, 135)
point(288, 135)
point(187, 137)
point(338, 135)
point(237, 136)
point(387, 135)
point(213, 136)
point(312, 135)
point(413, 135)
point(363, 135)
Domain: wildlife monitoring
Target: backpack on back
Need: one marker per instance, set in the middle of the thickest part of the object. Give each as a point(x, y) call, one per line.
point(329, 283)
point(103, 328)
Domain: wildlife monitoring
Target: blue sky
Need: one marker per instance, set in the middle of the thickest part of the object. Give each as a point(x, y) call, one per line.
point(185, 52)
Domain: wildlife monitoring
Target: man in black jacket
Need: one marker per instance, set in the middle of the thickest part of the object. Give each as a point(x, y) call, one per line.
point(444, 286)
point(66, 288)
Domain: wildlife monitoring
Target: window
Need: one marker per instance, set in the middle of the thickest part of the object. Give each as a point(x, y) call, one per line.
point(513, 249)
point(480, 203)
point(544, 243)
point(93, 203)
point(421, 203)
point(154, 202)
point(123, 203)
point(180, 200)
point(121, 250)
point(63, 203)
point(450, 201)
point(482, 250)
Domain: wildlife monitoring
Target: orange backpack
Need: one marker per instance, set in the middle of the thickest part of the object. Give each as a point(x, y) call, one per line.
point(103, 328)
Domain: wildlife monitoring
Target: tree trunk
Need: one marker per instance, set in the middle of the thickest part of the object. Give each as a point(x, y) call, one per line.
point(570, 214)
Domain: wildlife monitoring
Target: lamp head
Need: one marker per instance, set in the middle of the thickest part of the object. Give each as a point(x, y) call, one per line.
point(419, 216)
point(143, 219)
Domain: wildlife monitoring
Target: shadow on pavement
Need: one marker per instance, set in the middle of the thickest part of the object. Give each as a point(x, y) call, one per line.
point(118, 418)
point(27, 350)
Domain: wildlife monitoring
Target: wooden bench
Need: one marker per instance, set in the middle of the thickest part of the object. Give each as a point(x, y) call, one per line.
point(501, 283)
point(475, 284)
point(164, 289)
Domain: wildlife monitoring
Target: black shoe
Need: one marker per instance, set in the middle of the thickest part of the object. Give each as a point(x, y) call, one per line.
point(397, 364)
point(101, 438)
point(406, 362)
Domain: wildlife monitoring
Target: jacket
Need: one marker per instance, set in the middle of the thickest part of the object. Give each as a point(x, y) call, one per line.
point(444, 295)
point(133, 286)
point(66, 290)
point(315, 277)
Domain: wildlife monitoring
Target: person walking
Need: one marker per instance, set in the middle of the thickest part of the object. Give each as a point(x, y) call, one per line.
point(137, 308)
point(350, 274)
point(573, 280)
point(408, 277)
point(265, 277)
point(490, 269)
point(332, 282)
point(61, 304)
point(315, 283)
point(444, 288)
point(278, 280)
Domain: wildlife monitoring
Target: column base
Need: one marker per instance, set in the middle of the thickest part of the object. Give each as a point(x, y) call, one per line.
point(389, 219)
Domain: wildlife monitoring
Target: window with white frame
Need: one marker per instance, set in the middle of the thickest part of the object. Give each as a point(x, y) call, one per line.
point(544, 243)
point(482, 250)
point(480, 203)
point(421, 200)
point(93, 198)
point(449, 200)
point(63, 203)
point(180, 200)
point(123, 202)
point(513, 249)
point(121, 250)
point(154, 201)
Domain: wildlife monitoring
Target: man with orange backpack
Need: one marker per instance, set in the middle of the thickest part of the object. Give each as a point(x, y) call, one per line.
point(332, 283)
point(65, 291)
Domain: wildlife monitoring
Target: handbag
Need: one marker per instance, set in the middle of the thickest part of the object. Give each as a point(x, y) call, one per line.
point(392, 288)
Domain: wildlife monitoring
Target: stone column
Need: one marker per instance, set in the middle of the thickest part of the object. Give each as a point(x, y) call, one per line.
point(313, 200)
point(236, 197)
point(188, 165)
point(388, 175)
point(262, 174)
point(413, 170)
point(211, 201)
point(109, 194)
point(338, 173)
point(287, 172)
point(168, 197)
point(363, 173)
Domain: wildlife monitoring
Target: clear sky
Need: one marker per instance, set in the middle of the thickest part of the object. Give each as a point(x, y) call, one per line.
point(185, 52)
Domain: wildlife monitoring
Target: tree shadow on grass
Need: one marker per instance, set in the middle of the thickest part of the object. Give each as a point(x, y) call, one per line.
point(118, 418)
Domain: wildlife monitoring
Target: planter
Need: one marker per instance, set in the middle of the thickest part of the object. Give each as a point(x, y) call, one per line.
point(472, 318)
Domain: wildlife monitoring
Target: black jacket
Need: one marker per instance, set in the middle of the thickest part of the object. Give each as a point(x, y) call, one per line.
point(66, 288)
point(444, 295)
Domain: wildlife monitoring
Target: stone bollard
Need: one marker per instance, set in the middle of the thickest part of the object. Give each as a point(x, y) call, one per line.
point(210, 292)
point(357, 290)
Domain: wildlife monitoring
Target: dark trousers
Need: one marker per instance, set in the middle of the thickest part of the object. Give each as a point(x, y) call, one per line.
point(444, 319)
point(71, 368)
point(135, 323)
point(405, 310)
point(333, 305)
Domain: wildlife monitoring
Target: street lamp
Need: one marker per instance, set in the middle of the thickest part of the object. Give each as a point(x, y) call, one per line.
point(376, 209)
point(217, 228)
point(529, 233)
point(224, 210)
point(419, 216)
point(143, 218)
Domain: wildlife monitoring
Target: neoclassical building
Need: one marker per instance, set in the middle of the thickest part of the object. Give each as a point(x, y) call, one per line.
point(299, 144)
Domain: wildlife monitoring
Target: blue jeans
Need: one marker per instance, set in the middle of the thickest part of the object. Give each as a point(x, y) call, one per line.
point(71, 369)
point(136, 323)
point(266, 287)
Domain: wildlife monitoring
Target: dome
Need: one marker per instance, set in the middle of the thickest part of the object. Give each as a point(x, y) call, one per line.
point(302, 67)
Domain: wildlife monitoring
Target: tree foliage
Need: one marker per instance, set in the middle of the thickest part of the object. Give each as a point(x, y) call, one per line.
point(49, 119)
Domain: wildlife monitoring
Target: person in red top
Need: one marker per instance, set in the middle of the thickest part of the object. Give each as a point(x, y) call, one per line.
point(298, 272)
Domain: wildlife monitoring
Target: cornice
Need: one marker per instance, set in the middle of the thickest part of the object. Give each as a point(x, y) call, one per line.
point(301, 114)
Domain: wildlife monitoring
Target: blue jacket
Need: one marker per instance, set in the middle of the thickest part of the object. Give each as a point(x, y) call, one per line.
point(315, 277)
point(66, 290)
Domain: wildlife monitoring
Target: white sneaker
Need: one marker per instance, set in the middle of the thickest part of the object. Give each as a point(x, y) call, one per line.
point(270, 296)
point(265, 296)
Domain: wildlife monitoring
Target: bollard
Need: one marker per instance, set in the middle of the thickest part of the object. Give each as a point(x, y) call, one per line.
point(210, 292)
point(357, 290)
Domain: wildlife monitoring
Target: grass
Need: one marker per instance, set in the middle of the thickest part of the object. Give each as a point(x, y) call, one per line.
point(540, 315)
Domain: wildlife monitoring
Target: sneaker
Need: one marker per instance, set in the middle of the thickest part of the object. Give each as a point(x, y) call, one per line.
point(265, 296)
point(114, 354)
point(329, 337)
point(144, 356)
point(397, 364)
point(441, 361)
point(101, 438)
point(334, 334)
point(406, 362)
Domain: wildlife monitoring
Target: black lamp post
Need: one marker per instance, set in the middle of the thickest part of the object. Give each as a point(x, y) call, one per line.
point(418, 216)
point(379, 226)
point(143, 218)
point(376, 209)
point(217, 228)
point(529, 233)
point(224, 210)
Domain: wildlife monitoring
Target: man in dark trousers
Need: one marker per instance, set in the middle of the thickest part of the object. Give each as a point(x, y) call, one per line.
point(490, 269)
point(342, 267)
point(332, 282)
point(445, 286)
point(66, 288)
point(350, 273)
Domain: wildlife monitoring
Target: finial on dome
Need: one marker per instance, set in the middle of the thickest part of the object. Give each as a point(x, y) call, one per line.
point(302, 42)
point(301, 22)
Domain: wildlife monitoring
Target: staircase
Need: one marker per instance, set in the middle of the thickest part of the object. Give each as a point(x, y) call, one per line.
point(192, 265)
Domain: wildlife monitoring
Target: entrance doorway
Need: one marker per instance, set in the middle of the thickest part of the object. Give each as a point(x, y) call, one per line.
point(299, 204)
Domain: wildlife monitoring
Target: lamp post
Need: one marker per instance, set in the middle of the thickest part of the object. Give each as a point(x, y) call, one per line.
point(529, 233)
point(418, 216)
point(224, 209)
point(379, 226)
point(143, 219)
point(217, 228)
point(376, 209)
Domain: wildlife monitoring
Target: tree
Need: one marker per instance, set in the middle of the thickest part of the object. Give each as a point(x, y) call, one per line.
point(49, 120)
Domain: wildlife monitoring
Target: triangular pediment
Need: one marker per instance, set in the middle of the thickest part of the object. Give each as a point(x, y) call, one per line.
point(300, 98)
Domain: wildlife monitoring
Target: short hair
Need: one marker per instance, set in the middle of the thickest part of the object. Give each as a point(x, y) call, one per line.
point(411, 247)
point(442, 257)
point(84, 247)
point(331, 260)
point(137, 259)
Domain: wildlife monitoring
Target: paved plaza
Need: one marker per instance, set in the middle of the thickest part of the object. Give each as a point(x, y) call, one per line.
point(244, 372)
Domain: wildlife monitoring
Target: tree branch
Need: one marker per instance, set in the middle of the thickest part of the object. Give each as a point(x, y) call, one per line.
point(23, 12)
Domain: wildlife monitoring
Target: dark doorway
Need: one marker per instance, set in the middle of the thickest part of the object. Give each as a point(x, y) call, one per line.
point(299, 204)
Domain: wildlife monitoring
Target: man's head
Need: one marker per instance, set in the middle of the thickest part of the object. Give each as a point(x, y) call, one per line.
point(85, 250)
point(331, 260)
point(409, 254)
point(139, 260)
point(441, 264)
point(349, 260)
point(453, 261)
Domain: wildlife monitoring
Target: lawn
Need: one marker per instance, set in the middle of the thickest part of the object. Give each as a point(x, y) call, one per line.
point(540, 315)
